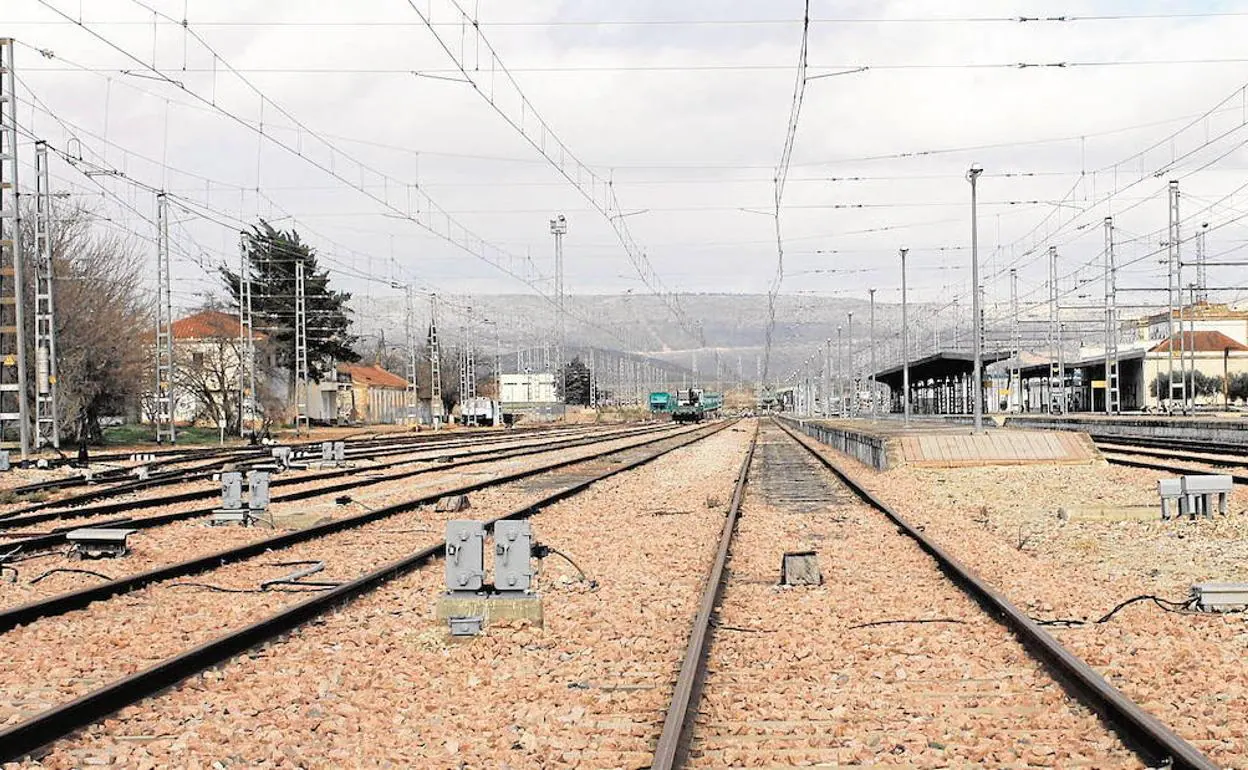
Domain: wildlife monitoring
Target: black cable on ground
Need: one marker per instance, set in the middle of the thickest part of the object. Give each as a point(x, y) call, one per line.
point(72, 570)
point(903, 620)
point(541, 551)
point(1169, 605)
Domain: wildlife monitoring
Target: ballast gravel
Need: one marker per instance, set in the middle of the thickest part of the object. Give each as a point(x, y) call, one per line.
point(379, 683)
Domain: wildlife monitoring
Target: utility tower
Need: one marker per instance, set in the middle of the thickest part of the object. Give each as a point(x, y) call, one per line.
point(1113, 403)
point(1175, 296)
point(1016, 362)
point(301, 350)
point(409, 328)
point(165, 429)
point(47, 420)
point(247, 346)
point(435, 365)
point(1202, 265)
point(559, 228)
point(1057, 371)
point(871, 376)
point(468, 378)
point(13, 401)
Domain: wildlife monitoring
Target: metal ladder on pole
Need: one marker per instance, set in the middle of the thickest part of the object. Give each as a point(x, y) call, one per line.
point(1175, 271)
point(13, 401)
point(1016, 362)
point(301, 350)
point(1057, 375)
point(469, 389)
point(435, 365)
point(409, 327)
point(47, 420)
point(1113, 394)
point(165, 429)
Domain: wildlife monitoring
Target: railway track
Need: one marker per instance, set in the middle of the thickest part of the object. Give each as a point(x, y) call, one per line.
point(901, 655)
point(1150, 454)
point(120, 481)
point(125, 682)
point(157, 559)
point(362, 475)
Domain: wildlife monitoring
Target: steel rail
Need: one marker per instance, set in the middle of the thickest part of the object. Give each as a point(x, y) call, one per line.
point(207, 470)
point(125, 506)
point(1137, 728)
point(1217, 462)
point(676, 725)
point(59, 721)
point(1152, 466)
point(67, 602)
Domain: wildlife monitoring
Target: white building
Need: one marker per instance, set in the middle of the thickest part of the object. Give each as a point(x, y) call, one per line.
point(536, 388)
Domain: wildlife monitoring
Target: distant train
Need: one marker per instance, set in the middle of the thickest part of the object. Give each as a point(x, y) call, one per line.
point(689, 405)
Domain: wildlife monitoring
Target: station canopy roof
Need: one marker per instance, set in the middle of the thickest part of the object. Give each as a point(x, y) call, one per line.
point(938, 366)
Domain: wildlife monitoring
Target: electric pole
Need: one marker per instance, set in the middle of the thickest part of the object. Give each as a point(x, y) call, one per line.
point(905, 344)
point(871, 377)
point(853, 379)
point(435, 366)
point(164, 327)
point(977, 329)
point(1016, 364)
point(1112, 402)
point(409, 328)
point(301, 350)
point(559, 228)
point(47, 420)
point(1175, 295)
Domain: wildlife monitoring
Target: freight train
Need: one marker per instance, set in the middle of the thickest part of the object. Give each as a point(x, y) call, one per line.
point(688, 405)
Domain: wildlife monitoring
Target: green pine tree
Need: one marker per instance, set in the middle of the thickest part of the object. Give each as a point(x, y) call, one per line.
point(270, 259)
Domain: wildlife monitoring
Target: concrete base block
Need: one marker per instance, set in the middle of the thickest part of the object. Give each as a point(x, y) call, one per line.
point(490, 607)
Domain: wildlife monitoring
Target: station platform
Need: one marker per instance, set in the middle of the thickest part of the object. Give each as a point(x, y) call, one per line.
point(1224, 428)
point(885, 444)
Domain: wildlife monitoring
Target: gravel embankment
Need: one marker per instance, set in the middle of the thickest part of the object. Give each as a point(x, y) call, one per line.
point(797, 676)
point(179, 541)
point(1071, 542)
point(379, 682)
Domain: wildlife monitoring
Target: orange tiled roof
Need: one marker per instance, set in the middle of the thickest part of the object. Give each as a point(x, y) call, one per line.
point(371, 374)
point(1204, 342)
point(209, 325)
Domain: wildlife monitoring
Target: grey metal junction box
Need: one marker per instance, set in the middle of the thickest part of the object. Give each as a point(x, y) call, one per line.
point(465, 555)
point(513, 555)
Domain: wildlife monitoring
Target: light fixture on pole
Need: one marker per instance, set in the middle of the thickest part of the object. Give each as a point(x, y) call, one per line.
point(976, 321)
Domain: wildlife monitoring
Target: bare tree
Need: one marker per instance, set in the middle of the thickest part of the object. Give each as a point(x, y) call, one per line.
point(103, 323)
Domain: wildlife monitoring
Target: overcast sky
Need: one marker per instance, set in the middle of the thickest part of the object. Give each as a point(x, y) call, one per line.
point(683, 105)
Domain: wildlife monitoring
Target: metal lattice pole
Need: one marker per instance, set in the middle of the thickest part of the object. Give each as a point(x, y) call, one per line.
point(164, 328)
point(1113, 404)
point(559, 228)
point(409, 328)
point(47, 419)
point(1057, 383)
point(470, 364)
point(435, 365)
point(871, 322)
point(1175, 300)
point(301, 350)
point(1202, 264)
point(977, 328)
point(246, 329)
point(13, 400)
point(840, 373)
point(853, 375)
point(905, 343)
point(1016, 363)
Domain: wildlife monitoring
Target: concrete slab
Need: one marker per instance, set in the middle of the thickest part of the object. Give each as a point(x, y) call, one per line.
point(946, 445)
point(490, 608)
